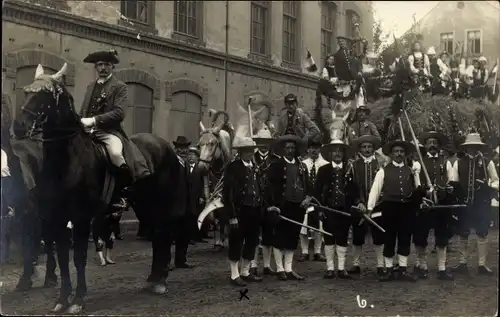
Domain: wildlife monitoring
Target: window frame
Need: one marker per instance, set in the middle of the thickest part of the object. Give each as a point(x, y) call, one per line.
point(267, 6)
point(466, 32)
point(441, 41)
point(350, 15)
point(329, 6)
point(149, 26)
point(196, 39)
point(295, 61)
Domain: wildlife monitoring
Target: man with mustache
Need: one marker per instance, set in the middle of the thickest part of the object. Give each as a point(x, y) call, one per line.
point(103, 111)
point(334, 188)
point(365, 168)
point(362, 126)
point(438, 168)
point(263, 159)
point(475, 175)
point(313, 164)
point(398, 186)
point(241, 196)
point(294, 121)
point(288, 187)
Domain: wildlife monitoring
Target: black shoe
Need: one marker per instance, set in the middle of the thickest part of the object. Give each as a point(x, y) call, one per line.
point(254, 271)
point(294, 276)
point(420, 272)
point(238, 282)
point(354, 270)
point(380, 271)
point(282, 276)
point(388, 275)
point(303, 257)
point(484, 270)
point(318, 257)
point(460, 268)
point(251, 278)
point(445, 276)
point(404, 275)
point(184, 265)
point(344, 275)
point(268, 271)
point(119, 237)
point(329, 274)
point(121, 204)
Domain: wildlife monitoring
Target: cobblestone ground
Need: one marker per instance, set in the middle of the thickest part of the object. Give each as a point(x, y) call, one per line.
point(205, 290)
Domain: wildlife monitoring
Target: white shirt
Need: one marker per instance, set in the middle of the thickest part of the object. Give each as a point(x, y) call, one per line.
point(5, 165)
point(288, 161)
point(337, 166)
point(320, 161)
point(490, 169)
point(102, 81)
point(247, 164)
point(368, 159)
point(191, 167)
point(262, 154)
point(378, 183)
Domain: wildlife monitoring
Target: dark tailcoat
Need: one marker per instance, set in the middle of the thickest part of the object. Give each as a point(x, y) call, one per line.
point(110, 111)
point(195, 183)
point(263, 164)
point(335, 188)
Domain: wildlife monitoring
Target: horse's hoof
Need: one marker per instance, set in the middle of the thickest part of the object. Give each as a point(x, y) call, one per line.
point(24, 285)
point(60, 308)
point(158, 288)
point(75, 309)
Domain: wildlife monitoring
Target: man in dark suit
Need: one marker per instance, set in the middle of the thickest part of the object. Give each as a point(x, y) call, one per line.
point(183, 205)
point(197, 200)
point(103, 111)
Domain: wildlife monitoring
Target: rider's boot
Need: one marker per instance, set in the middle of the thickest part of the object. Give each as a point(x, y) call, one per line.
point(125, 179)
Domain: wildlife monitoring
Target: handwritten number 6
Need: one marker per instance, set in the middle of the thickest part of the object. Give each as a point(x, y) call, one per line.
point(361, 302)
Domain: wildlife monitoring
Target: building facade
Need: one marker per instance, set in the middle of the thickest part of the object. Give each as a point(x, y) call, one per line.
point(473, 24)
point(179, 58)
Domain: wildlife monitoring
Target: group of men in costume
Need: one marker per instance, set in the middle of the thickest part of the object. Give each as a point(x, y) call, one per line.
point(269, 189)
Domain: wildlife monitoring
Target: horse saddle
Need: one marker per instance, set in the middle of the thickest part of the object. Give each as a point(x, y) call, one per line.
point(133, 158)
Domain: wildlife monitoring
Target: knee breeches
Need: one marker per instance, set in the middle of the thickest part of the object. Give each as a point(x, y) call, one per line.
point(114, 147)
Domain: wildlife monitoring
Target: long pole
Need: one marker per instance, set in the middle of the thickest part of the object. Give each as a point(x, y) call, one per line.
point(227, 56)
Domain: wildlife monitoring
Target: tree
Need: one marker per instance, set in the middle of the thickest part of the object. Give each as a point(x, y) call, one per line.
point(378, 36)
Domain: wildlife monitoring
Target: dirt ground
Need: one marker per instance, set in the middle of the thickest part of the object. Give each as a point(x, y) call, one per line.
point(205, 290)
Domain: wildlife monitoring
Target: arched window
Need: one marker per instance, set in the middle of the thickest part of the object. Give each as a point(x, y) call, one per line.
point(24, 77)
point(139, 115)
point(185, 116)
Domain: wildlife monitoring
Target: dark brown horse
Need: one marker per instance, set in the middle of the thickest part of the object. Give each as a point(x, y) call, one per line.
point(73, 174)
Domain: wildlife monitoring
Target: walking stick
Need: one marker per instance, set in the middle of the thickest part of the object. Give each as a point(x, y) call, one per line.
point(306, 226)
point(369, 219)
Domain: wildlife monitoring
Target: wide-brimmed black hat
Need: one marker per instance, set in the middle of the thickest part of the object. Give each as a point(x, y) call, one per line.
point(364, 108)
point(326, 149)
point(181, 141)
point(314, 142)
point(409, 148)
point(102, 56)
point(300, 144)
point(367, 138)
point(424, 136)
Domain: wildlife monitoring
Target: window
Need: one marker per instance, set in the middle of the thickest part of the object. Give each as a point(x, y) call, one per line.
point(328, 23)
point(184, 116)
point(351, 19)
point(474, 42)
point(259, 28)
point(447, 42)
point(187, 18)
point(290, 31)
point(136, 10)
point(139, 115)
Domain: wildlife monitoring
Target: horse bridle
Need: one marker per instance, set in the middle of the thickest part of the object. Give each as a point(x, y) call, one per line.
point(37, 122)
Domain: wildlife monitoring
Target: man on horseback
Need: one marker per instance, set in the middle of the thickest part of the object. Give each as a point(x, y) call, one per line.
point(295, 121)
point(103, 112)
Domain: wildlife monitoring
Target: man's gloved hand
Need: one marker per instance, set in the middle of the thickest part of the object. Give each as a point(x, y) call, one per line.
point(233, 223)
point(88, 122)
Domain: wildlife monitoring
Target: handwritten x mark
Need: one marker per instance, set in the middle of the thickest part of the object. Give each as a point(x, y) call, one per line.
point(243, 294)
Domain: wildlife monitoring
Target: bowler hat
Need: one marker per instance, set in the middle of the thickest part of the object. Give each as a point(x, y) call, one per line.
point(102, 56)
point(181, 141)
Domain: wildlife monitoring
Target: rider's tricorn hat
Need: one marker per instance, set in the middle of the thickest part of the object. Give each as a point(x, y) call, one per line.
point(102, 56)
point(409, 148)
point(367, 138)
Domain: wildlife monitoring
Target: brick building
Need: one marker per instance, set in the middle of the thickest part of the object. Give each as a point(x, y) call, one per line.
point(174, 56)
point(472, 23)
